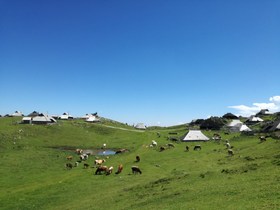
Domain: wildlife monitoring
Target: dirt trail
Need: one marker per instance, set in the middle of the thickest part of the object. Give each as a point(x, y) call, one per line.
point(125, 129)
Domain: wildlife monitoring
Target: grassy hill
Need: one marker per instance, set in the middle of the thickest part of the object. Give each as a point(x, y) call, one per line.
point(33, 173)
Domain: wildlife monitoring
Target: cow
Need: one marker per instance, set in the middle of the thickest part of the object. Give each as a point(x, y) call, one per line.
point(137, 158)
point(154, 143)
point(170, 145)
point(110, 170)
point(120, 168)
point(230, 152)
point(83, 156)
point(136, 170)
point(69, 165)
point(197, 147)
point(86, 165)
point(70, 157)
point(228, 145)
point(101, 169)
point(120, 151)
point(161, 148)
point(262, 138)
point(79, 151)
point(99, 162)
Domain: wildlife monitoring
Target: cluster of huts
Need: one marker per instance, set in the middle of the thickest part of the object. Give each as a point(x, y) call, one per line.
point(229, 121)
point(41, 118)
point(262, 122)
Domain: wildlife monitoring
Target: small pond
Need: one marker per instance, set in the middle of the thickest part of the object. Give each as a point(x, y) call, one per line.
point(89, 151)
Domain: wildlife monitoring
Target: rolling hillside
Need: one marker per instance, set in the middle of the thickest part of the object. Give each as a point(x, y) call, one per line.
point(33, 173)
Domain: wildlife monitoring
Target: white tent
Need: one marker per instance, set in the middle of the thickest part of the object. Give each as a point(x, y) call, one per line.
point(253, 120)
point(256, 119)
point(86, 116)
point(17, 114)
point(195, 135)
point(234, 123)
point(278, 126)
point(244, 128)
point(43, 119)
point(26, 120)
point(140, 126)
point(93, 118)
point(65, 116)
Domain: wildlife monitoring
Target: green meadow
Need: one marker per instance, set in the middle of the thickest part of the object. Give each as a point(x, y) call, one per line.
point(34, 176)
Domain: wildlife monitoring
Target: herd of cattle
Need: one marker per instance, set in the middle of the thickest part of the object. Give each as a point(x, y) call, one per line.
point(98, 163)
point(102, 169)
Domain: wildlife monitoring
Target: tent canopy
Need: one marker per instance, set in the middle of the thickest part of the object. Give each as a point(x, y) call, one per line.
point(140, 126)
point(195, 135)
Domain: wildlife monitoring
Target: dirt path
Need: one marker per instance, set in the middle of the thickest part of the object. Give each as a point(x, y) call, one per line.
point(124, 129)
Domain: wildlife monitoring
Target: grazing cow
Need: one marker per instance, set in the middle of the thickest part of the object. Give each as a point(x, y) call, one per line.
point(137, 158)
point(120, 151)
point(262, 138)
point(230, 152)
point(120, 168)
point(161, 148)
point(187, 148)
point(69, 157)
point(136, 170)
point(228, 145)
point(154, 143)
point(69, 165)
point(197, 147)
point(99, 162)
point(83, 156)
point(110, 170)
point(79, 151)
point(101, 169)
point(216, 137)
point(170, 145)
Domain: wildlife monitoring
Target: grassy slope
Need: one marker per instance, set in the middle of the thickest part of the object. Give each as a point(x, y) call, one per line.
point(33, 175)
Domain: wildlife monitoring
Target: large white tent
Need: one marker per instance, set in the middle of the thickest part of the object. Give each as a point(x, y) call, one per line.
point(140, 126)
point(234, 123)
point(195, 135)
point(43, 119)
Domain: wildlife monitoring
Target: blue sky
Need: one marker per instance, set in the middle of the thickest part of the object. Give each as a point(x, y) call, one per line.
point(156, 62)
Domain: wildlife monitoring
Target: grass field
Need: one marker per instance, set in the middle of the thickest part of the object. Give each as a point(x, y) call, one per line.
point(33, 173)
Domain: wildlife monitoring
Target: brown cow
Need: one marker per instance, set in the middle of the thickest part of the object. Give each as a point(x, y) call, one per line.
point(120, 168)
point(70, 157)
point(101, 169)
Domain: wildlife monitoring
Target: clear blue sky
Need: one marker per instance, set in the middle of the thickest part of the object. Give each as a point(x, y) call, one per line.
point(149, 61)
